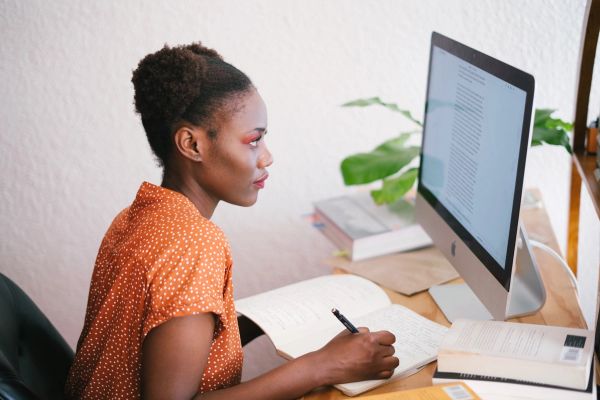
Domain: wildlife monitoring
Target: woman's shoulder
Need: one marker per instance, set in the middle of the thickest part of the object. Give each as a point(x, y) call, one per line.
point(162, 220)
point(198, 227)
point(185, 224)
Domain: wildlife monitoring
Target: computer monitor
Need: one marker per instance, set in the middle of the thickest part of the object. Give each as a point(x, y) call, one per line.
point(476, 134)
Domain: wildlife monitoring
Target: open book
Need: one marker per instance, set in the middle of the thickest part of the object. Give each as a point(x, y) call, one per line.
point(298, 320)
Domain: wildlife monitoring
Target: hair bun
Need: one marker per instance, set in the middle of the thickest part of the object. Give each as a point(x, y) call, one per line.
point(191, 83)
point(166, 82)
point(197, 48)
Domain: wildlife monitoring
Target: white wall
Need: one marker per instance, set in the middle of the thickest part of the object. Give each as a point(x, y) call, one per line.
point(588, 259)
point(73, 152)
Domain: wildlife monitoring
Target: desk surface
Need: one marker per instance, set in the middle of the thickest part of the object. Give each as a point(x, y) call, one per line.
point(561, 307)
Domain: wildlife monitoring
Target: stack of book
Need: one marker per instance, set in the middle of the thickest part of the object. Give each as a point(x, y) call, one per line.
point(362, 229)
point(525, 361)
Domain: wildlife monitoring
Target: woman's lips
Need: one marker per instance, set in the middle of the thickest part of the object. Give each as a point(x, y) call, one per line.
point(261, 181)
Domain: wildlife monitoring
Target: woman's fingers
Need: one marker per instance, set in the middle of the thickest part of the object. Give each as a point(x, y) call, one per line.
point(389, 364)
point(384, 337)
point(385, 374)
point(387, 351)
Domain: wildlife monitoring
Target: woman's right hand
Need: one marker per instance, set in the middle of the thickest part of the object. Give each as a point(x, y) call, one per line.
point(351, 357)
point(346, 358)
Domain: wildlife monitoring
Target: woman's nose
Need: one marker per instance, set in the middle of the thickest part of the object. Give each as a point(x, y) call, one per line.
point(266, 158)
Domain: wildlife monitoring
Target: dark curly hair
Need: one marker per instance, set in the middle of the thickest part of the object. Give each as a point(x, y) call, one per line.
point(188, 83)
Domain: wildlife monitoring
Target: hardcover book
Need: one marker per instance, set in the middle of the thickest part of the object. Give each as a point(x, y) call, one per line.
point(362, 229)
point(446, 391)
point(542, 354)
point(493, 388)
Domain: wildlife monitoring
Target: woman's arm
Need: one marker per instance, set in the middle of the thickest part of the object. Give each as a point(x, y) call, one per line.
point(346, 358)
point(175, 355)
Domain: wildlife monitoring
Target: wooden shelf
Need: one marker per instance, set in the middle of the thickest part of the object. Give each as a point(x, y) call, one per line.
point(586, 164)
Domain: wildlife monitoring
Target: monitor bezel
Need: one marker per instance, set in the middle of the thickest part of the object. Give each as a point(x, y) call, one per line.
point(523, 81)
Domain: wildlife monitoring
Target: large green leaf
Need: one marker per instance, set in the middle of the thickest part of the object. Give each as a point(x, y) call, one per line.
point(550, 130)
point(377, 101)
point(394, 188)
point(393, 144)
point(551, 136)
point(387, 159)
point(541, 115)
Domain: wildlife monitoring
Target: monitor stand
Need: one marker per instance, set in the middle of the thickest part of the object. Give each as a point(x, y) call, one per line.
point(527, 293)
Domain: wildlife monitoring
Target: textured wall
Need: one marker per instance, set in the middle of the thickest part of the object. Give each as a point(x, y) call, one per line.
point(73, 152)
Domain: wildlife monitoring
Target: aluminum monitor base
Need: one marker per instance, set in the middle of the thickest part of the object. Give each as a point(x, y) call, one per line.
point(527, 294)
point(458, 301)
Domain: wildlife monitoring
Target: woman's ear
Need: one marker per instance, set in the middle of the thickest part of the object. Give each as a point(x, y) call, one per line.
point(190, 142)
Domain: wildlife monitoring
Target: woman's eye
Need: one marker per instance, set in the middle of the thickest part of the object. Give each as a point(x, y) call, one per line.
point(254, 143)
point(253, 140)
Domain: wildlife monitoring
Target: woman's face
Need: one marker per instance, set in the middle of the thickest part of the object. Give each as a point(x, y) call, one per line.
point(235, 165)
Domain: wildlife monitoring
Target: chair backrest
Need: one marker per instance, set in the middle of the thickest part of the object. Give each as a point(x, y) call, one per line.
point(34, 358)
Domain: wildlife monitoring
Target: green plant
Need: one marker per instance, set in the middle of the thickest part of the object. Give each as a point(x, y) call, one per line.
point(391, 160)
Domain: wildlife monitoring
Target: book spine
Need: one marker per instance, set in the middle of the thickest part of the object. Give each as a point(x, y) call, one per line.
point(333, 233)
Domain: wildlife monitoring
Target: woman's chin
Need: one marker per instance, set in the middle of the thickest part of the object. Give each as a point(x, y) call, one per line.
point(245, 202)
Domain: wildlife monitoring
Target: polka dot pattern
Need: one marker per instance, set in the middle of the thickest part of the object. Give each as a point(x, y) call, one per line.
point(158, 260)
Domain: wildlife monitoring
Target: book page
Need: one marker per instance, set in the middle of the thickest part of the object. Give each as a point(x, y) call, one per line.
point(417, 341)
point(300, 313)
point(522, 341)
point(417, 338)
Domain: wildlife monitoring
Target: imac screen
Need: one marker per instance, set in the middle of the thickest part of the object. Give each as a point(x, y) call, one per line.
point(472, 147)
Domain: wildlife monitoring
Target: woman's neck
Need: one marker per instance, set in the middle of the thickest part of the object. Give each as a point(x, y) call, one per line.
point(188, 187)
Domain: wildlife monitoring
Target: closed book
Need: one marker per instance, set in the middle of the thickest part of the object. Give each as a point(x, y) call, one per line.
point(543, 354)
point(492, 388)
point(446, 391)
point(298, 320)
point(362, 229)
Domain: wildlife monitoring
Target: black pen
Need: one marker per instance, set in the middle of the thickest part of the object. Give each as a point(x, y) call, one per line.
point(344, 321)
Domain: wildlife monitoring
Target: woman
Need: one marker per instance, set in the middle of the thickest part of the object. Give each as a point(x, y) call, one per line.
point(160, 320)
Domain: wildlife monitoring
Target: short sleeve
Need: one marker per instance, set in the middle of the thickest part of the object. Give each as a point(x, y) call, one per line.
point(188, 281)
point(160, 259)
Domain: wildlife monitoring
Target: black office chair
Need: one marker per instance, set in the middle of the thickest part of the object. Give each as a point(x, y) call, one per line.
point(34, 358)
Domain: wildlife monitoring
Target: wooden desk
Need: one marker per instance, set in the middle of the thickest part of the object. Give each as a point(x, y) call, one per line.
point(561, 307)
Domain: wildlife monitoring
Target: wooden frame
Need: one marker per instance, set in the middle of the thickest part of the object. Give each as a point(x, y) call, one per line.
point(583, 164)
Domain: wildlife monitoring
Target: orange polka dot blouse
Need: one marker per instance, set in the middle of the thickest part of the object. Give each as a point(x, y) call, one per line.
point(159, 259)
